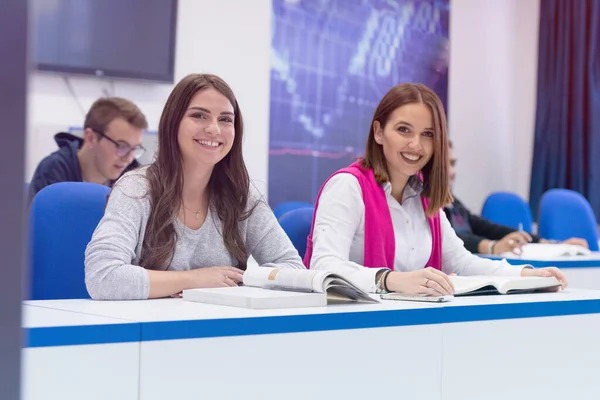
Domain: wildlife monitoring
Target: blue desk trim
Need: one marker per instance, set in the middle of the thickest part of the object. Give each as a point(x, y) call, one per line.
point(196, 329)
point(559, 264)
point(82, 334)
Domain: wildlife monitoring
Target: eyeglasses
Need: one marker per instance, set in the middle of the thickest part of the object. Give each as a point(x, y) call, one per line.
point(124, 148)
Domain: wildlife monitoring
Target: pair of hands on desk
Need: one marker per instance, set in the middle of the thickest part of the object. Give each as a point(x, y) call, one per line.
point(433, 282)
point(513, 242)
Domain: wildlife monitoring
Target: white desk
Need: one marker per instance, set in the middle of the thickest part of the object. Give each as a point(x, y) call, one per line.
point(493, 347)
point(74, 356)
point(582, 272)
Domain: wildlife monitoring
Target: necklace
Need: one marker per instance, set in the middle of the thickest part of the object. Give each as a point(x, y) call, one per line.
point(198, 215)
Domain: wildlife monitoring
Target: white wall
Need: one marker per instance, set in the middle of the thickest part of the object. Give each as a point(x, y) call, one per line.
point(492, 95)
point(230, 38)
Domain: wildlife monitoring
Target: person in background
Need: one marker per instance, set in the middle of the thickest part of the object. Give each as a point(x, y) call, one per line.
point(380, 221)
point(191, 218)
point(110, 145)
point(483, 236)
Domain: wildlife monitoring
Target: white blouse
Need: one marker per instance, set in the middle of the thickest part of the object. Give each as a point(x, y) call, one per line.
point(339, 230)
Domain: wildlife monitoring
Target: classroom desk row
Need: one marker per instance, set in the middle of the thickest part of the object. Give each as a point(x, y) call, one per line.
point(494, 347)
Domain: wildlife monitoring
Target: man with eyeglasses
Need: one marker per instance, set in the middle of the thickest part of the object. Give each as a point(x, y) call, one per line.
point(111, 145)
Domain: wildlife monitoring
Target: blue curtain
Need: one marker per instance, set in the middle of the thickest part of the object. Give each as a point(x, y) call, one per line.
point(567, 128)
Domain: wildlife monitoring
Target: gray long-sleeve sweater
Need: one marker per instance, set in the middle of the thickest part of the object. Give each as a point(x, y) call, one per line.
point(112, 270)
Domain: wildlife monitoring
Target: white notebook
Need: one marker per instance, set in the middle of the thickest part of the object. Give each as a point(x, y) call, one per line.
point(472, 285)
point(256, 298)
point(283, 288)
point(549, 251)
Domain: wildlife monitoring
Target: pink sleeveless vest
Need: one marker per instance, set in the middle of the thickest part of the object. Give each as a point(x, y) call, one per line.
point(380, 243)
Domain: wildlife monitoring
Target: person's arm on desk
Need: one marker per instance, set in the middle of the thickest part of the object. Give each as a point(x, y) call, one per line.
point(547, 272)
point(490, 238)
point(456, 259)
point(170, 283)
point(109, 272)
point(511, 243)
point(573, 241)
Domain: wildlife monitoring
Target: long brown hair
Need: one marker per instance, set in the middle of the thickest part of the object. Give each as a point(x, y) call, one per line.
point(228, 186)
point(436, 186)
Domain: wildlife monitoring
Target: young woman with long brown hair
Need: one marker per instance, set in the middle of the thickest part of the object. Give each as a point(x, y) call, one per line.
point(190, 219)
point(379, 222)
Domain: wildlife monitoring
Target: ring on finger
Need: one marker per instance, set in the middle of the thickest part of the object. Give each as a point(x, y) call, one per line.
point(426, 282)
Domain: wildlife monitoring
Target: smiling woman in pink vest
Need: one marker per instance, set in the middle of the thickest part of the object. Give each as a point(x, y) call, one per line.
point(379, 221)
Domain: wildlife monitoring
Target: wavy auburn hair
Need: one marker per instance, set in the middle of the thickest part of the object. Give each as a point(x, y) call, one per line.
point(228, 186)
point(436, 185)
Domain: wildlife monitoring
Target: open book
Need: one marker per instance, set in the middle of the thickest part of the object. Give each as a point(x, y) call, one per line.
point(480, 285)
point(473, 285)
point(283, 288)
point(548, 251)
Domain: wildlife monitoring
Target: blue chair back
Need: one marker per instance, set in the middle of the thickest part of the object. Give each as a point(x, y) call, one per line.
point(297, 224)
point(565, 214)
point(287, 206)
point(508, 209)
point(62, 219)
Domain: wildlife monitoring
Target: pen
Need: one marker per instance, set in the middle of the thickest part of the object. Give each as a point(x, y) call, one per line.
point(519, 241)
point(521, 231)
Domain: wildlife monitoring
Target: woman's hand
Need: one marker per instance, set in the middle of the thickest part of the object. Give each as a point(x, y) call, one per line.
point(547, 272)
point(212, 277)
point(578, 242)
point(512, 243)
point(574, 241)
point(429, 281)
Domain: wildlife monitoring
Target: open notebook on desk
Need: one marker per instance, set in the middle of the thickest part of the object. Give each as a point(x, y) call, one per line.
point(480, 285)
point(266, 288)
point(549, 251)
point(473, 285)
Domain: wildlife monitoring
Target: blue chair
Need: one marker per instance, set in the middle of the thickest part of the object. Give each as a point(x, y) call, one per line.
point(297, 224)
point(565, 214)
point(62, 219)
point(508, 209)
point(287, 206)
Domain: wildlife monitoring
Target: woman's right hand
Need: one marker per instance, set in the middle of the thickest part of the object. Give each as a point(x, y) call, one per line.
point(212, 277)
point(429, 281)
point(512, 243)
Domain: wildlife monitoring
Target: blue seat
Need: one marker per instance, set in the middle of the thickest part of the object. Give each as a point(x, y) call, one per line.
point(287, 206)
point(62, 219)
point(297, 224)
point(508, 209)
point(565, 214)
